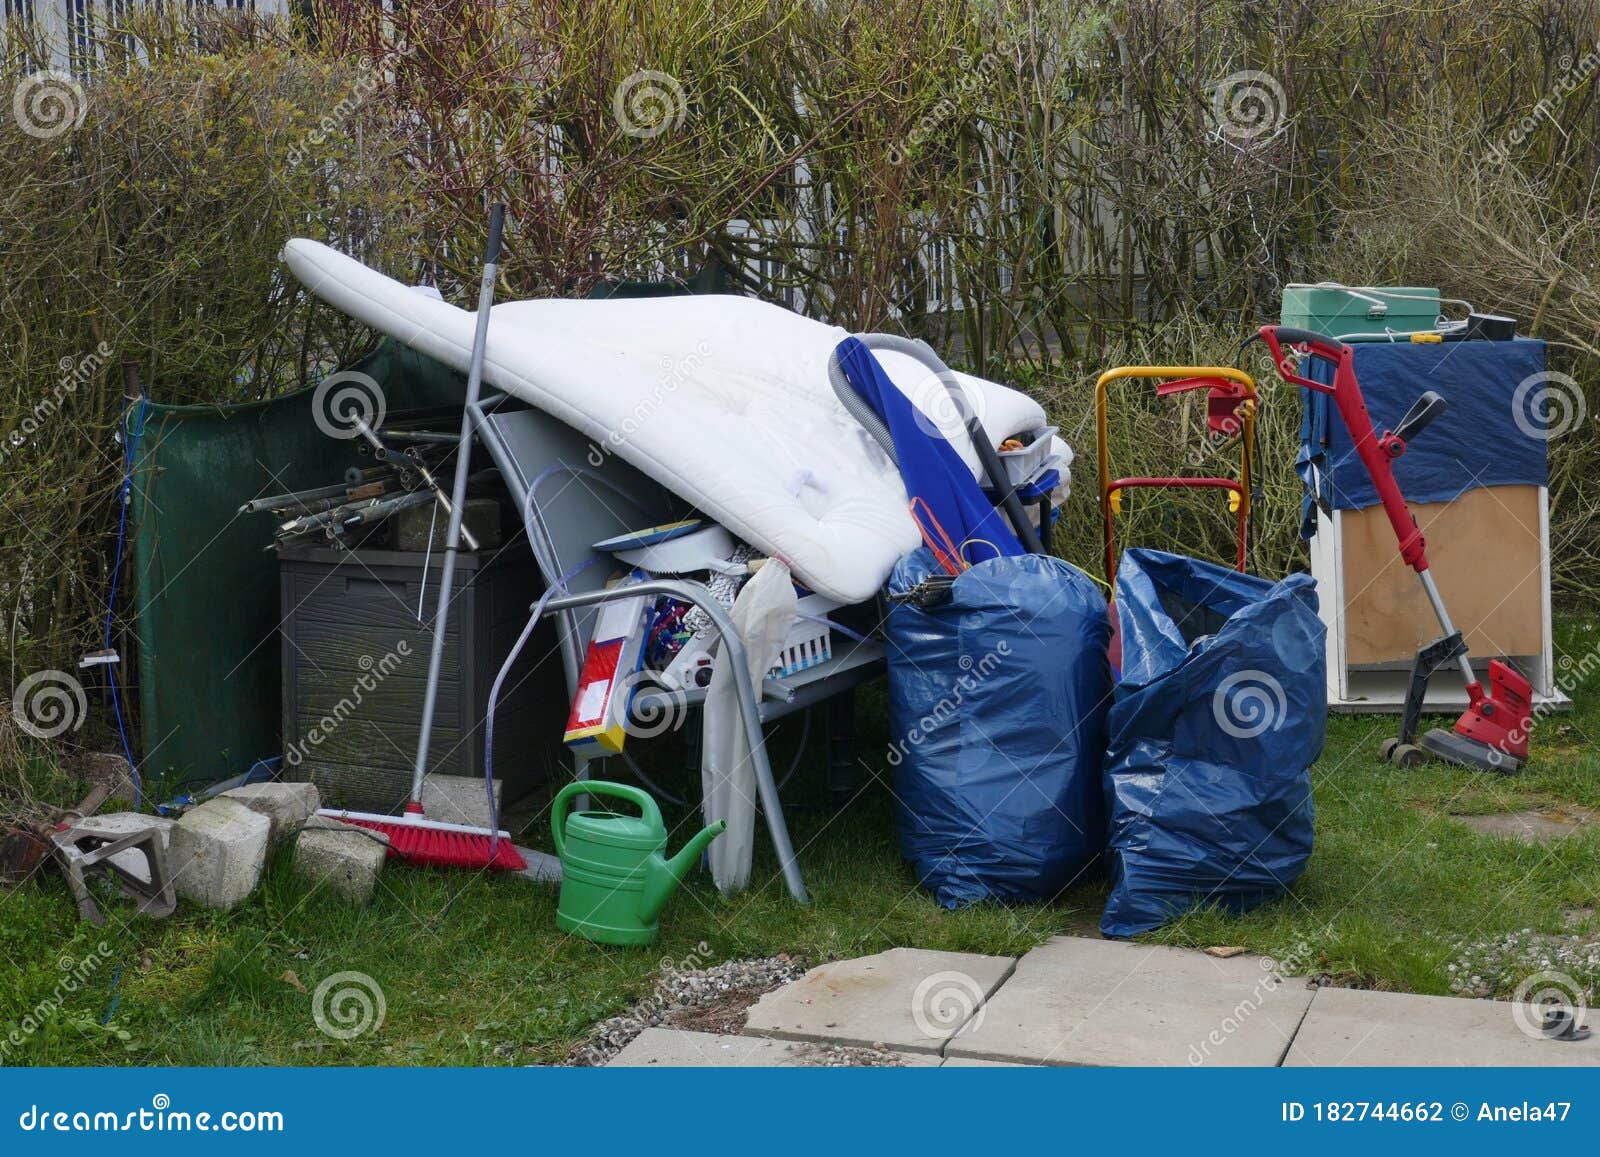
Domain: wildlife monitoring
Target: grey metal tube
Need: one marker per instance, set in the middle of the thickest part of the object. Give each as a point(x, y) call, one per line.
point(981, 443)
point(856, 406)
point(749, 712)
point(458, 498)
point(1444, 622)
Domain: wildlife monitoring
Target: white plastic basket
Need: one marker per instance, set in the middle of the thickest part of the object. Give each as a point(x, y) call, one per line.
point(1024, 464)
point(809, 642)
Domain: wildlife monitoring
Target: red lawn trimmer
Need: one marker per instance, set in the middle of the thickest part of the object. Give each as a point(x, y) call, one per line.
point(1492, 735)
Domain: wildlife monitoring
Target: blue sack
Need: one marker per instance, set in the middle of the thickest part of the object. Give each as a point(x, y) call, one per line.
point(1219, 715)
point(997, 716)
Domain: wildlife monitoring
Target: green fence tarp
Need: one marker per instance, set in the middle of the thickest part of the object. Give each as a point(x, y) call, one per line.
point(205, 584)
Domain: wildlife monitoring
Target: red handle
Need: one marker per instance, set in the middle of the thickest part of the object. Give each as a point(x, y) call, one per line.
point(1377, 454)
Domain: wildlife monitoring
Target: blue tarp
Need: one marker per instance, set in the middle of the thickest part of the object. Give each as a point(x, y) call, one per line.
point(1218, 716)
point(997, 712)
point(1481, 440)
point(931, 468)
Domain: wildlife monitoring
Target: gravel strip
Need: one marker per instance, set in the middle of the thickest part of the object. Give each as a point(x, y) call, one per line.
point(1545, 965)
point(726, 991)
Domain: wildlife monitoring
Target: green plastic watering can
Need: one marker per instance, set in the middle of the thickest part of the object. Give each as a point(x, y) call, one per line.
point(615, 876)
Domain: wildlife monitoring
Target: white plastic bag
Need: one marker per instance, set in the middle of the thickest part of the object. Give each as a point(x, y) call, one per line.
point(763, 613)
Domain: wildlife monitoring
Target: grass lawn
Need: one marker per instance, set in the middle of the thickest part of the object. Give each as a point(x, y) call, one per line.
point(473, 970)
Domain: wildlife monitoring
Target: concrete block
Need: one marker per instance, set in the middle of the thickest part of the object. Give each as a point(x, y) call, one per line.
point(414, 525)
point(907, 999)
point(217, 851)
point(674, 1048)
point(458, 799)
point(108, 768)
point(1078, 1001)
point(343, 856)
point(286, 805)
point(1348, 1027)
point(133, 861)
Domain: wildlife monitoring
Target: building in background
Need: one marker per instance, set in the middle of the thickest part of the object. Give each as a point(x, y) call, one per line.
point(74, 32)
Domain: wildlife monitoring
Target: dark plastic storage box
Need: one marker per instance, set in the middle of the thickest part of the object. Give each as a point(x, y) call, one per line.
point(355, 663)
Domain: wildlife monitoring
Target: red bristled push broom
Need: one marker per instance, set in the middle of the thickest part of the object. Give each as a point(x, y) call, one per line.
point(412, 836)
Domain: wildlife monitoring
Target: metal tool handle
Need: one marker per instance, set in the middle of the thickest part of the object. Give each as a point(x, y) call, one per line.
point(458, 495)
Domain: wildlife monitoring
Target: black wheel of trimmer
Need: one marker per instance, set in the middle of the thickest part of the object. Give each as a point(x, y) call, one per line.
point(1408, 755)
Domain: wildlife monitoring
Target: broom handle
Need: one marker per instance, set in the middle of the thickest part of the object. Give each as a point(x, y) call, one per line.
point(458, 497)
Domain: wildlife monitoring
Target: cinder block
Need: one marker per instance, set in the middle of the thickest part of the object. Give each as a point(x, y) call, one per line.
point(481, 517)
point(458, 799)
point(345, 857)
point(217, 852)
point(286, 805)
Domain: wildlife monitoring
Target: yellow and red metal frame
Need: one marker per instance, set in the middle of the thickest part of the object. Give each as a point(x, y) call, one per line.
point(1230, 411)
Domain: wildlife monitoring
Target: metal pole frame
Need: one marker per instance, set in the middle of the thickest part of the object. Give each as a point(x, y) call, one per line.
point(733, 652)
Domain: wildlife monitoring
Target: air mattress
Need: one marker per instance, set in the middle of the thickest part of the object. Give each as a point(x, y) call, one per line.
point(724, 400)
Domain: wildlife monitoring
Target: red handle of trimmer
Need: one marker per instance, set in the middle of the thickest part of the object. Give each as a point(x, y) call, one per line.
point(1377, 453)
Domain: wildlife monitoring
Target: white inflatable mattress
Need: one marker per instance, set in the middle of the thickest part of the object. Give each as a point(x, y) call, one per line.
point(724, 400)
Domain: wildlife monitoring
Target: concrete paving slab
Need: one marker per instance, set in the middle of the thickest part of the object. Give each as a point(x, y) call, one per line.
point(675, 1048)
point(1349, 1027)
point(1534, 827)
point(908, 999)
point(1077, 1001)
point(975, 1063)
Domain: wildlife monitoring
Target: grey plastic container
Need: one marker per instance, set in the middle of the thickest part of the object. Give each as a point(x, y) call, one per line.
point(355, 661)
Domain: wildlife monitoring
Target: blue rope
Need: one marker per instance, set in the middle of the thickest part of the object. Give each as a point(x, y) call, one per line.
point(116, 997)
point(130, 445)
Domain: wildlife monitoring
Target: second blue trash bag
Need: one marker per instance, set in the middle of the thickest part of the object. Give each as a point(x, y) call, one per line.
point(997, 709)
point(1219, 715)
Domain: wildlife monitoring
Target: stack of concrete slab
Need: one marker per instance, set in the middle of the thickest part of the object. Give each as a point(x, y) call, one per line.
point(1077, 1001)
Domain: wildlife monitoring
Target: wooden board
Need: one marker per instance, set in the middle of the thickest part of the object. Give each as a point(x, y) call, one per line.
point(1485, 553)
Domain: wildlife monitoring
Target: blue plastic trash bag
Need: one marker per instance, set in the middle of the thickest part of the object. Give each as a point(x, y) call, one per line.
point(997, 716)
point(1219, 715)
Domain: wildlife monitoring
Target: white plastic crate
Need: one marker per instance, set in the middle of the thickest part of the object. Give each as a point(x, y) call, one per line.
point(1022, 465)
point(809, 643)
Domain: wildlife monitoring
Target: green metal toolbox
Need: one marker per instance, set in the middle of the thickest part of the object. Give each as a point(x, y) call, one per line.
point(1360, 313)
